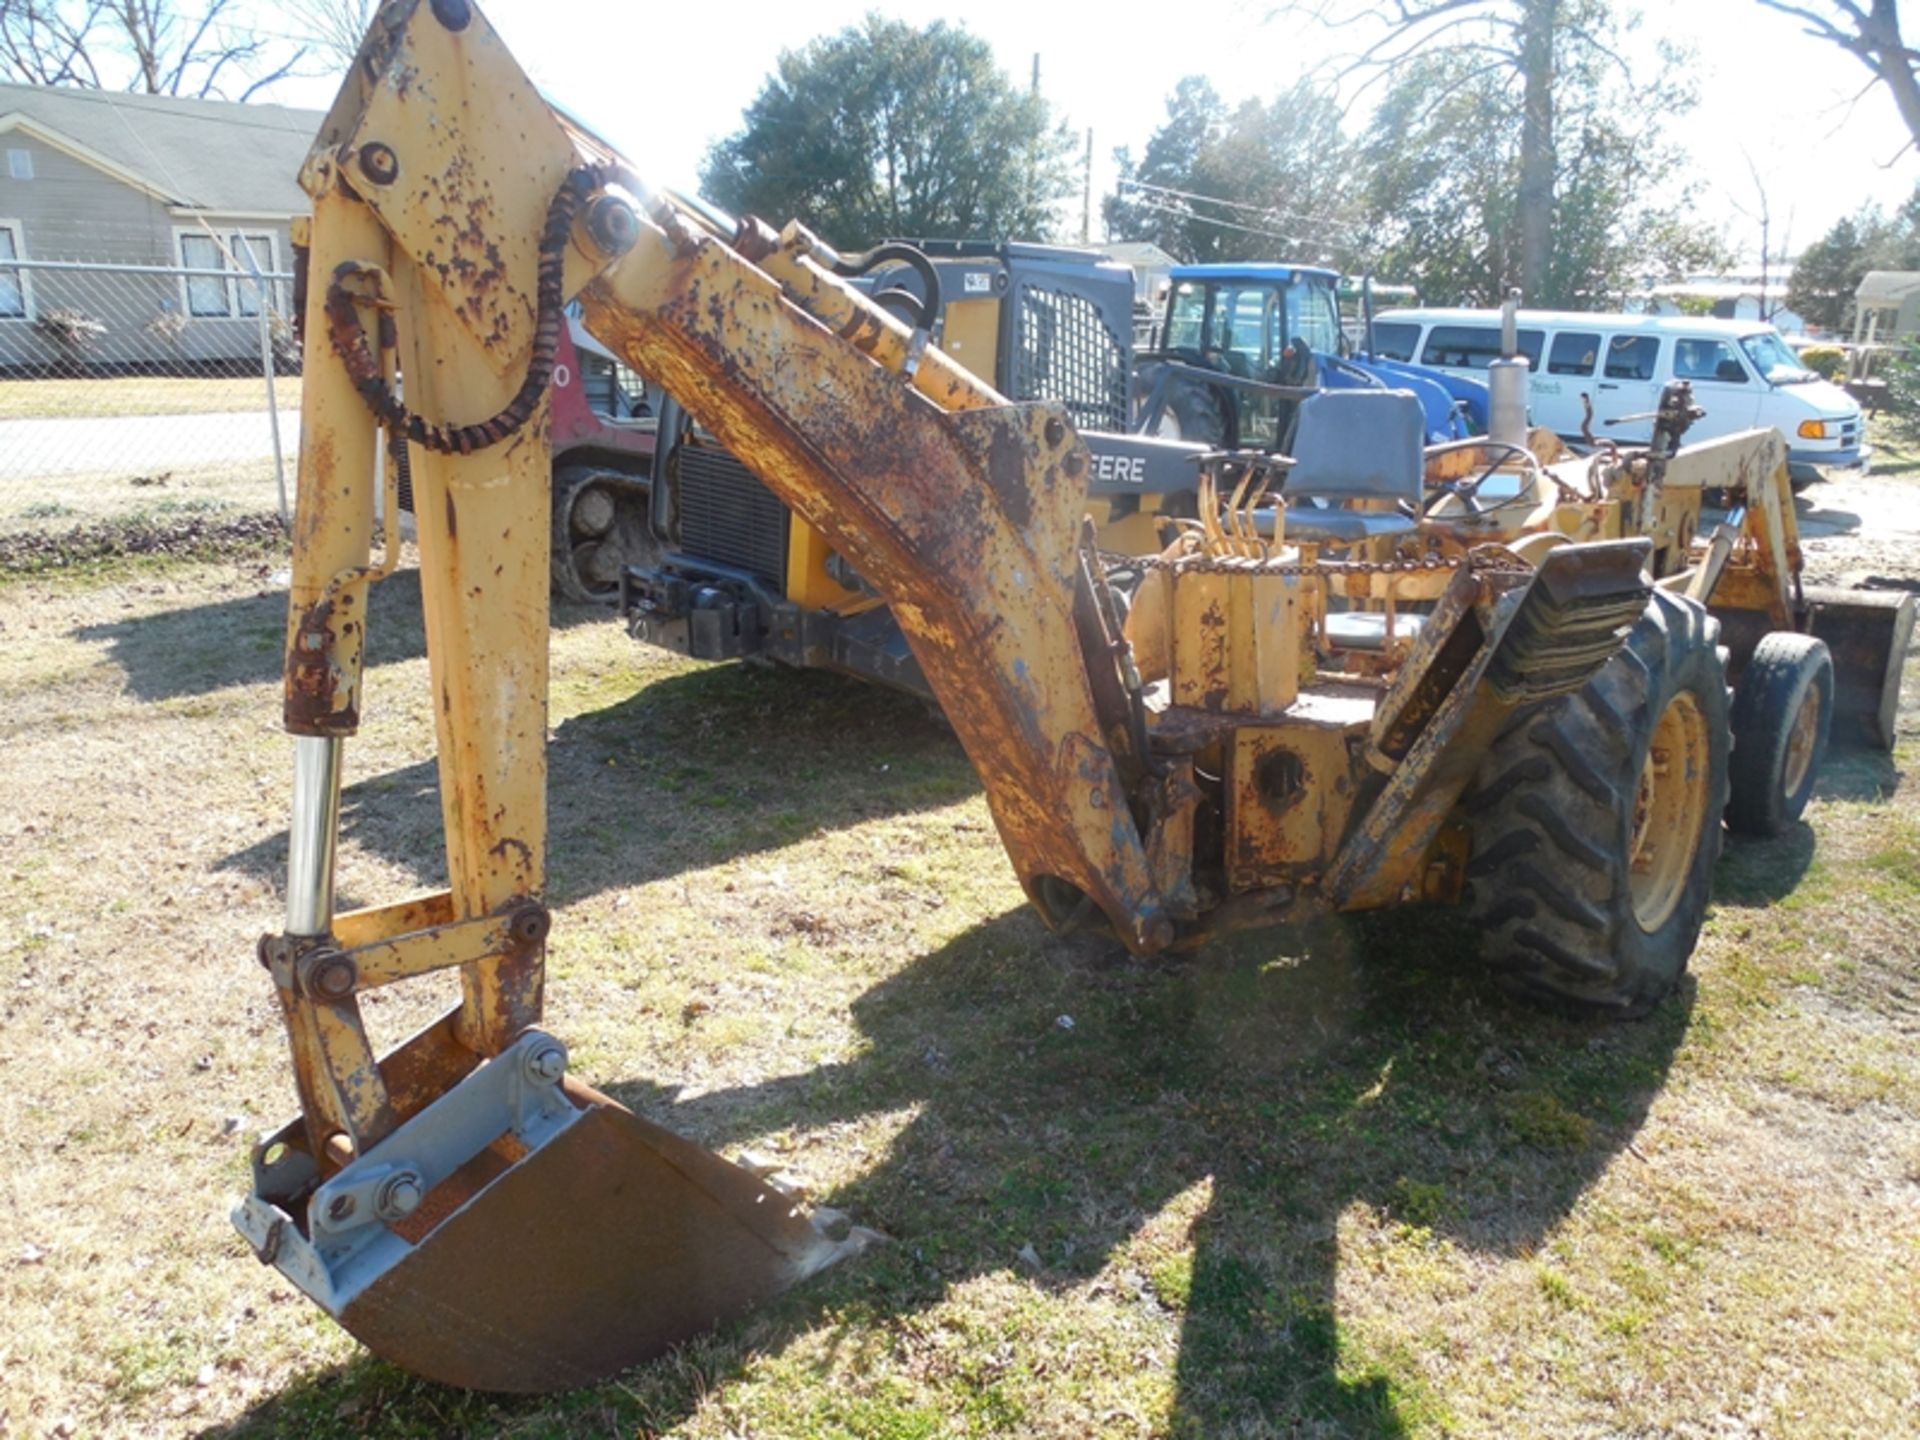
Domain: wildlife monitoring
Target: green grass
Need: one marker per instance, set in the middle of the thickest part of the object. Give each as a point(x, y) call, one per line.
point(1316, 1183)
point(1894, 458)
point(142, 395)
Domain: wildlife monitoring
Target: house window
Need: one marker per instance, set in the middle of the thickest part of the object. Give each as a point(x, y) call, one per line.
point(206, 294)
point(234, 291)
point(20, 164)
point(252, 253)
point(13, 282)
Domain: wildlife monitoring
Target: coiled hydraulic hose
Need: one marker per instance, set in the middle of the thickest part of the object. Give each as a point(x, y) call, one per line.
point(350, 342)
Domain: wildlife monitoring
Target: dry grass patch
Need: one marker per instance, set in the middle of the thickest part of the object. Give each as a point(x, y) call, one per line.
point(143, 395)
point(1323, 1183)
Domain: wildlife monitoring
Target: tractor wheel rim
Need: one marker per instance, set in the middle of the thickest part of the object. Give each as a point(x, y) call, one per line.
point(1801, 742)
point(1670, 806)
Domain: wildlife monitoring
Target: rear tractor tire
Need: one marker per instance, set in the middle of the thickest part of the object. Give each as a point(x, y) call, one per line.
point(1782, 714)
point(1596, 823)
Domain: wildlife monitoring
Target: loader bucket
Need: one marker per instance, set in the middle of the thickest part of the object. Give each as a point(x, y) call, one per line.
point(1868, 632)
point(550, 1236)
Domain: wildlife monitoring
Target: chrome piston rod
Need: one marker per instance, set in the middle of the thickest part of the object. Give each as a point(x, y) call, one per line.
point(314, 834)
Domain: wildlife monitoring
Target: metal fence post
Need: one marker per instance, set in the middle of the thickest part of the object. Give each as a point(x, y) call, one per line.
point(266, 368)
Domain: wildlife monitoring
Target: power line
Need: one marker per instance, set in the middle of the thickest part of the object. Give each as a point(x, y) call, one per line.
point(1347, 227)
point(1230, 225)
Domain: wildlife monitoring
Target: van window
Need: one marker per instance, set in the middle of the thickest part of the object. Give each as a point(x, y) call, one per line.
point(1632, 357)
point(1573, 353)
point(1472, 347)
point(1707, 360)
point(1776, 363)
point(1395, 339)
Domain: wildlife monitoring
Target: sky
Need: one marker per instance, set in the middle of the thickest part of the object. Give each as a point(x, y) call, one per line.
point(664, 81)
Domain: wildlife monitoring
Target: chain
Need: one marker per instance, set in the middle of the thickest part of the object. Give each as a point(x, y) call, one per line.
point(1480, 560)
point(350, 341)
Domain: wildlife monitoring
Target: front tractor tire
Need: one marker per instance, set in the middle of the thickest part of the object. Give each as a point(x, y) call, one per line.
point(1782, 713)
point(1596, 823)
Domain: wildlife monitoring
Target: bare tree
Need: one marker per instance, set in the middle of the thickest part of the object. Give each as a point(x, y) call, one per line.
point(200, 51)
point(1872, 34)
point(336, 27)
point(1527, 41)
point(44, 44)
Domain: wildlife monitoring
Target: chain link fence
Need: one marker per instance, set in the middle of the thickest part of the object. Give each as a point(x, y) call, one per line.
point(144, 400)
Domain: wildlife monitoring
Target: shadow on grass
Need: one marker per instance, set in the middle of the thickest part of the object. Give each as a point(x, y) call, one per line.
point(1818, 520)
point(201, 648)
point(1265, 1087)
point(1758, 872)
point(689, 771)
point(1857, 774)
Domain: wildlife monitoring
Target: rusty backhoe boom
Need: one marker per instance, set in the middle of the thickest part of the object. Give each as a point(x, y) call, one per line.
point(461, 1204)
point(453, 215)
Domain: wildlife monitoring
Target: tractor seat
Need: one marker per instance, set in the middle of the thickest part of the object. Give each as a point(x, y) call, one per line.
point(1367, 629)
point(1354, 445)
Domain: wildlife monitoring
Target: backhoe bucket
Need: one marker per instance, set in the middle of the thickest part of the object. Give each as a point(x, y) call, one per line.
point(524, 1233)
point(1868, 632)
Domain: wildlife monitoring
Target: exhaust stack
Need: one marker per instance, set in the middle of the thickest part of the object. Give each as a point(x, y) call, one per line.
point(1507, 379)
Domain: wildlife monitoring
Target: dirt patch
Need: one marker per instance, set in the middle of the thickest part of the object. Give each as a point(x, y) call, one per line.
point(202, 537)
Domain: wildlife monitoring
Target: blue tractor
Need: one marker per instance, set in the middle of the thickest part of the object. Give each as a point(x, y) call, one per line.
point(1239, 345)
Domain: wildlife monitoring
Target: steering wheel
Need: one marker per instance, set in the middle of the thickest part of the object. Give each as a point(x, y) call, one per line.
point(1467, 492)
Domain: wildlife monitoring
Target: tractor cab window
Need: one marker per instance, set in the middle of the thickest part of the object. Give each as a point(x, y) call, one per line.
point(1186, 316)
point(1316, 315)
point(1243, 326)
point(1245, 333)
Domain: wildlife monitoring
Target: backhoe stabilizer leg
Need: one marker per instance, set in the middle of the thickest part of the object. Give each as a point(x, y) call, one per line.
point(459, 1205)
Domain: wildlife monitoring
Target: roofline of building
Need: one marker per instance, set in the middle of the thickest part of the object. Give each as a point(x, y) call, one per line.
point(19, 120)
point(216, 212)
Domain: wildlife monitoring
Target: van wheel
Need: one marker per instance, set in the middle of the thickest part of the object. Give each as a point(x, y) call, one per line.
point(1596, 823)
point(1782, 715)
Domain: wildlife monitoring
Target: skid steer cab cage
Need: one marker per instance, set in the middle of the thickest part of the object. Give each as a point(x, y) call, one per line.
point(1271, 731)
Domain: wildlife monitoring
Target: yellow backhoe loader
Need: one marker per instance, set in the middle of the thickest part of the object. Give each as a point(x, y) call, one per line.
point(1260, 739)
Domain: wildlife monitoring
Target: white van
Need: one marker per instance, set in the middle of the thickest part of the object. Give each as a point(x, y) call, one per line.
point(1743, 375)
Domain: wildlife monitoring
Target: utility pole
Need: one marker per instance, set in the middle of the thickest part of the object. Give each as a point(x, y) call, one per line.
point(1086, 194)
point(1033, 150)
point(1766, 233)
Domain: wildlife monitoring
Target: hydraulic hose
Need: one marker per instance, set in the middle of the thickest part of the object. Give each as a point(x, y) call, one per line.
point(847, 266)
